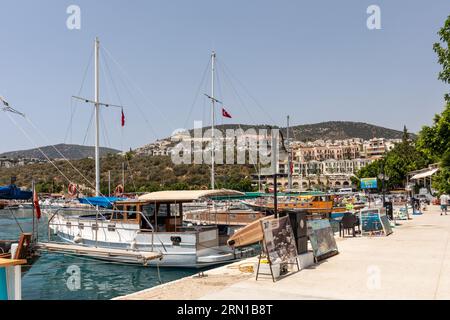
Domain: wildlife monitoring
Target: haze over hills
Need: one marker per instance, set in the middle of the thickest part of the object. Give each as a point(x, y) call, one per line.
point(332, 130)
point(70, 151)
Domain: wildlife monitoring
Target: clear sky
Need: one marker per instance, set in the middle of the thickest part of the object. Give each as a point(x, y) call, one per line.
point(314, 60)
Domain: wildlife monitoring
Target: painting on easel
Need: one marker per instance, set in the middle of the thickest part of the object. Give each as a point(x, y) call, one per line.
point(279, 245)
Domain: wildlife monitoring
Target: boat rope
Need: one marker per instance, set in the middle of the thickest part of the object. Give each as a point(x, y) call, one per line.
point(37, 147)
point(241, 102)
point(61, 154)
point(246, 90)
point(108, 75)
point(72, 110)
point(88, 127)
point(132, 83)
point(47, 157)
point(200, 86)
point(17, 222)
point(159, 274)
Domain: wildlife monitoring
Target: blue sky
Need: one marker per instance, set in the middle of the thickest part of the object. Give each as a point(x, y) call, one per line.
point(313, 60)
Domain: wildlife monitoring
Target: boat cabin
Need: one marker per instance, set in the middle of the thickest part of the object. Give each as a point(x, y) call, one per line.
point(164, 209)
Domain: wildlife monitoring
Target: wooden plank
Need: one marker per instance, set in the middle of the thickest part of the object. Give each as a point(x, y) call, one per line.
point(11, 262)
point(250, 234)
point(99, 251)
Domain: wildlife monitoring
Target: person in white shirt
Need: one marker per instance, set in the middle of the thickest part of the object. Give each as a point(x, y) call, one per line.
point(444, 203)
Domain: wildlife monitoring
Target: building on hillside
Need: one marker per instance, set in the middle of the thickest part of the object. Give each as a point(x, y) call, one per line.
point(12, 163)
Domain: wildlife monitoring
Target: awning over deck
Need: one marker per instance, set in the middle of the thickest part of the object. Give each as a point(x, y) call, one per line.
point(425, 174)
point(104, 202)
point(187, 195)
point(12, 192)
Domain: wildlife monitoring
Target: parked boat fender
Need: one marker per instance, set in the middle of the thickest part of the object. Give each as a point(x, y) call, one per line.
point(133, 244)
point(78, 239)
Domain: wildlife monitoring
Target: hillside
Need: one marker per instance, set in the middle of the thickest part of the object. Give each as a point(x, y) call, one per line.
point(339, 130)
point(332, 130)
point(70, 151)
point(142, 173)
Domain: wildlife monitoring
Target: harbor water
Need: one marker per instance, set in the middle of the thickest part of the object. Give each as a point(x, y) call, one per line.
point(65, 277)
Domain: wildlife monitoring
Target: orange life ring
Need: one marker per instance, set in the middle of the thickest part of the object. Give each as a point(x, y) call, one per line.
point(119, 190)
point(72, 189)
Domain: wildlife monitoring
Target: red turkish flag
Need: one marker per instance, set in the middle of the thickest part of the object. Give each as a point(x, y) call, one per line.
point(123, 119)
point(225, 114)
point(37, 208)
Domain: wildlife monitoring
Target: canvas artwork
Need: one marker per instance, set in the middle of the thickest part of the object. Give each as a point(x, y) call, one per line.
point(279, 240)
point(372, 221)
point(321, 236)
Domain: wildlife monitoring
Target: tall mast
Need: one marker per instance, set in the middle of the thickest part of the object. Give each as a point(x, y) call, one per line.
point(289, 157)
point(97, 116)
point(213, 60)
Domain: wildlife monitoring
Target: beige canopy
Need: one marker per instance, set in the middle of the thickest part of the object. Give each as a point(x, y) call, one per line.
point(425, 174)
point(187, 195)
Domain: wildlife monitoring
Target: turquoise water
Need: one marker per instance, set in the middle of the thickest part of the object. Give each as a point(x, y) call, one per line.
point(63, 277)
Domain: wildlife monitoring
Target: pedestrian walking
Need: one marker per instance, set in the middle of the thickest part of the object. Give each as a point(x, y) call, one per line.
point(444, 199)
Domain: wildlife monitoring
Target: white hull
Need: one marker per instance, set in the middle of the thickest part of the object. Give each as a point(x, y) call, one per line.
point(189, 249)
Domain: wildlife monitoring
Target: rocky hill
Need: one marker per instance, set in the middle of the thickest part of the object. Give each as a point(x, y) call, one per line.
point(332, 130)
point(70, 151)
point(339, 130)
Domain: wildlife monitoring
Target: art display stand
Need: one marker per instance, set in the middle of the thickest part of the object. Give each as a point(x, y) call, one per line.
point(278, 244)
point(263, 255)
point(321, 236)
point(374, 222)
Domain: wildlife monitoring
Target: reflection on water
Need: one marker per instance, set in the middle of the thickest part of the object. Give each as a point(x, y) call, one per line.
point(58, 276)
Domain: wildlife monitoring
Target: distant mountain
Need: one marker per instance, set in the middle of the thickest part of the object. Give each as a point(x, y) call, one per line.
point(70, 151)
point(332, 130)
point(339, 130)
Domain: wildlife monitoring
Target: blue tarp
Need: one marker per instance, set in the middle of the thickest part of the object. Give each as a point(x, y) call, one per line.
point(11, 192)
point(104, 202)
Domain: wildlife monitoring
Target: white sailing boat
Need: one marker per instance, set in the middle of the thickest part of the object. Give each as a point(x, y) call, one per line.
point(138, 231)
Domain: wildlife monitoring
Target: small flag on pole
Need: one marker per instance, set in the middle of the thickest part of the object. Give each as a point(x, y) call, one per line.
point(225, 114)
point(123, 119)
point(37, 208)
point(6, 104)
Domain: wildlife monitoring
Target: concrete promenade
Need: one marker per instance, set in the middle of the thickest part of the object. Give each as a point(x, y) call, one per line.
point(412, 263)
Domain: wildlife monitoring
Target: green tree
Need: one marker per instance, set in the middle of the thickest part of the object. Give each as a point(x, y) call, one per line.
point(434, 141)
point(395, 164)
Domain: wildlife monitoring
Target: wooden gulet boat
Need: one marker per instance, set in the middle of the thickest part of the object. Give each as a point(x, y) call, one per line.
point(151, 223)
point(310, 204)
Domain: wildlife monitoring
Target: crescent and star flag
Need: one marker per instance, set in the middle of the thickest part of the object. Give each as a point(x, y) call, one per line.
point(37, 208)
point(225, 114)
point(123, 119)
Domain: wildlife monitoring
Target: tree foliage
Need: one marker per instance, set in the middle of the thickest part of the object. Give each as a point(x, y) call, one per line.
point(141, 174)
point(434, 140)
point(395, 164)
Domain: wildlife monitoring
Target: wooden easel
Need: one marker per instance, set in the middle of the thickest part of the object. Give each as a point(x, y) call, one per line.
point(264, 251)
